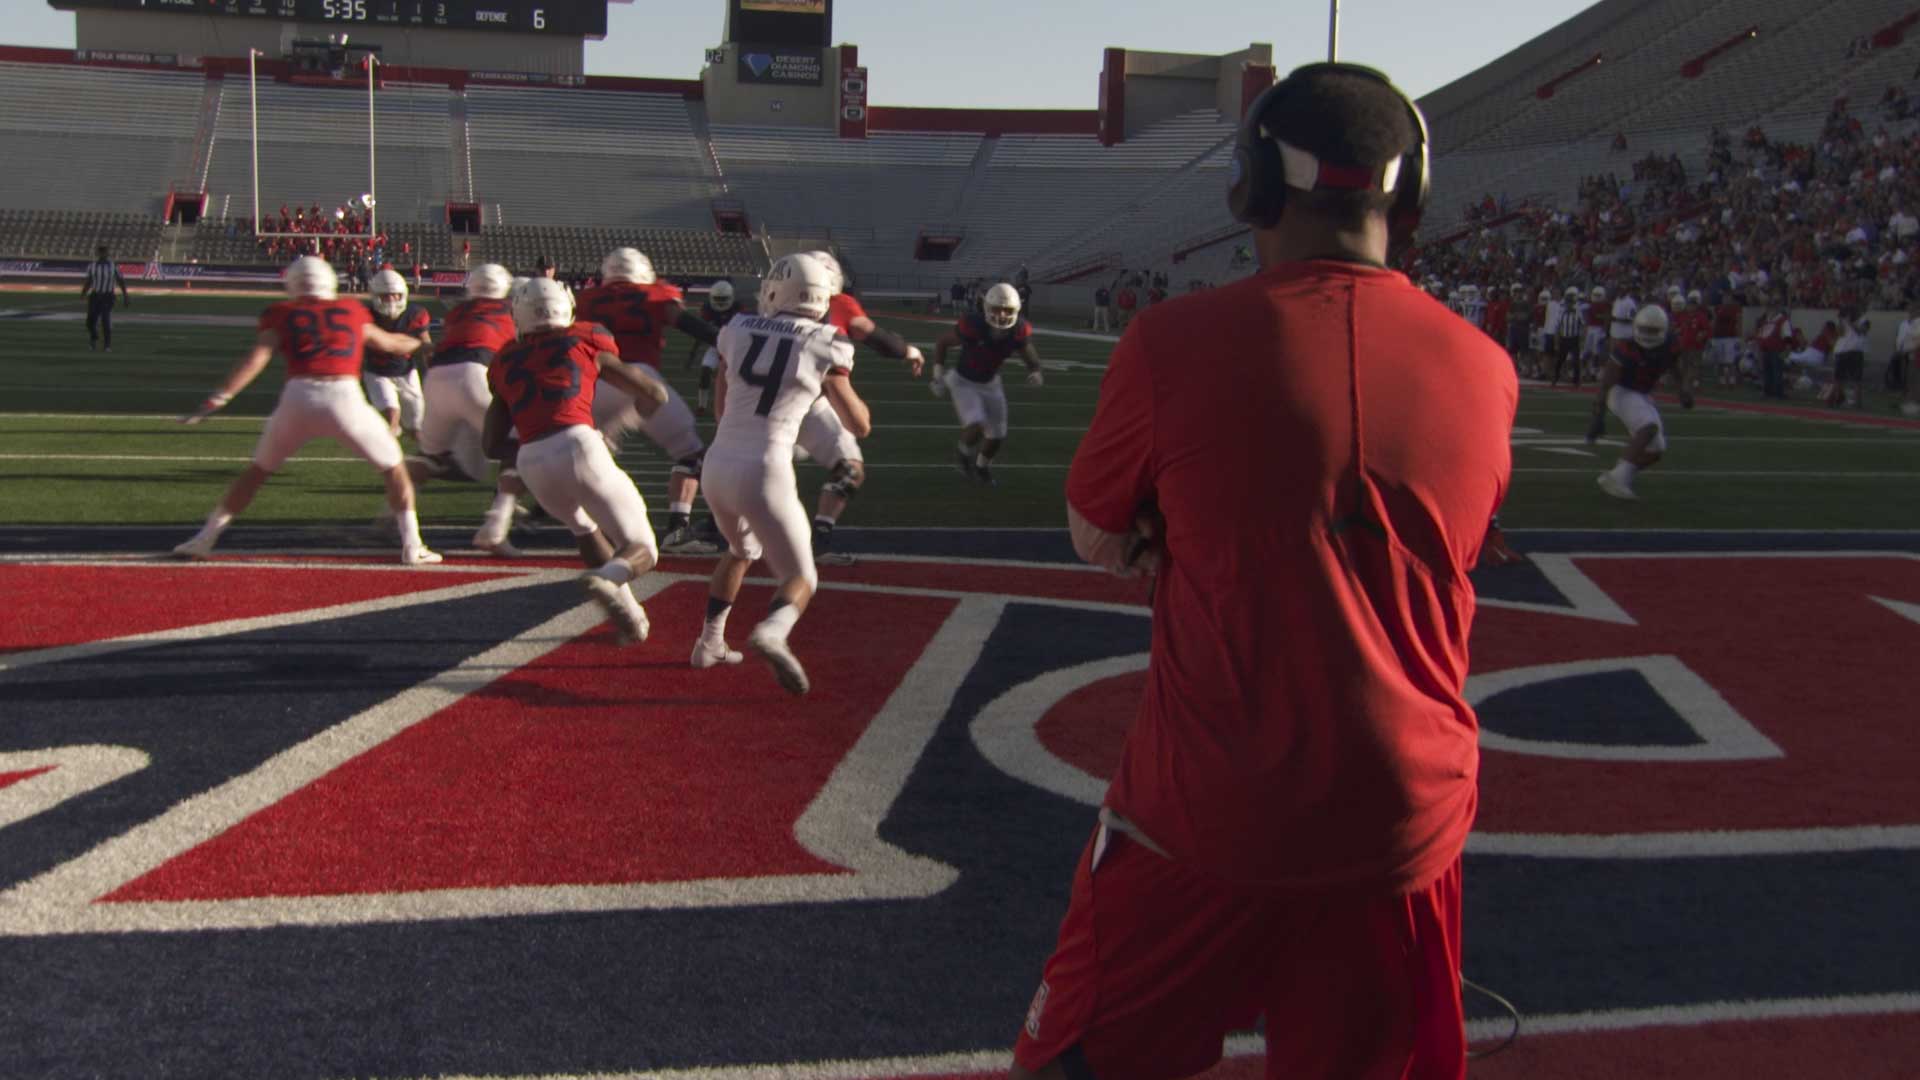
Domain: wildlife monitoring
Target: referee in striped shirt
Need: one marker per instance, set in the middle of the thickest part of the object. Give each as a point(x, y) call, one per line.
point(102, 276)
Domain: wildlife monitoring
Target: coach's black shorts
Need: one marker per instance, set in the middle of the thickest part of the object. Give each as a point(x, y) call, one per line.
point(1849, 366)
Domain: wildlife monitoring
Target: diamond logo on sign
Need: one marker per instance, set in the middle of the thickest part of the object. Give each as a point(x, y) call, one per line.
point(761, 63)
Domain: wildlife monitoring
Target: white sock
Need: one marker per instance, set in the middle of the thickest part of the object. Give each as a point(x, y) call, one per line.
point(716, 628)
point(965, 449)
point(1623, 471)
point(680, 507)
point(616, 571)
point(503, 504)
point(410, 529)
point(217, 522)
point(982, 460)
point(780, 621)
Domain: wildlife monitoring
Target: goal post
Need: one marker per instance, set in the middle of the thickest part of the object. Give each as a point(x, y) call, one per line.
point(371, 200)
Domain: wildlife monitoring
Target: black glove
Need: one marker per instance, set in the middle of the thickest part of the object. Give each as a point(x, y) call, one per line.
point(1597, 426)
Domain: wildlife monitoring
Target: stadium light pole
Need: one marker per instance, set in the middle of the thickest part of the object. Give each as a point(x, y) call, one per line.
point(1333, 31)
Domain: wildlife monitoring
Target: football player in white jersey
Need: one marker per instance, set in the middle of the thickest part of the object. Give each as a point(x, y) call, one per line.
point(392, 382)
point(772, 367)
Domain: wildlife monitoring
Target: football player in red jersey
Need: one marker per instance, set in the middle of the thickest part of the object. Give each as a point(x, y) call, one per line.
point(392, 383)
point(323, 339)
point(638, 309)
point(822, 436)
point(716, 311)
point(985, 340)
point(1626, 385)
point(544, 387)
point(477, 329)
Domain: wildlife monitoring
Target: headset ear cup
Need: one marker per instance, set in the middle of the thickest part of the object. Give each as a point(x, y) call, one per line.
point(1255, 199)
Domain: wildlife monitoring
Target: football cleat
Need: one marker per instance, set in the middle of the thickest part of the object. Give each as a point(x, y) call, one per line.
point(964, 462)
point(686, 541)
point(786, 667)
point(418, 556)
point(709, 652)
point(629, 618)
point(1612, 486)
point(200, 547)
point(834, 558)
point(497, 546)
point(984, 473)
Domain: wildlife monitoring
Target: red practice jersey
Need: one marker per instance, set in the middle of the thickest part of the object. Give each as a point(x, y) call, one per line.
point(1726, 320)
point(1695, 329)
point(414, 322)
point(547, 379)
point(983, 349)
point(475, 333)
point(842, 311)
point(1305, 725)
point(319, 337)
point(1641, 367)
point(637, 315)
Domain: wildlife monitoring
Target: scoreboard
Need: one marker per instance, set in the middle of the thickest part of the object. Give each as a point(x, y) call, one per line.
point(565, 18)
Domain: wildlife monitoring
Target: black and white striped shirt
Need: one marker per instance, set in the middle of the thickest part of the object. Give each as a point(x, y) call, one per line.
point(102, 276)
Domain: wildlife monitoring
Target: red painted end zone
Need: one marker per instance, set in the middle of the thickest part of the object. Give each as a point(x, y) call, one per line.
point(50, 606)
point(1088, 727)
point(9, 778)
point(593, 765)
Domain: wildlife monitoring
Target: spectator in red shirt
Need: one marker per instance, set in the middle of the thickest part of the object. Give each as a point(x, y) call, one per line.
point(1126, 300)
point(1772, 338)
point(1283, 833)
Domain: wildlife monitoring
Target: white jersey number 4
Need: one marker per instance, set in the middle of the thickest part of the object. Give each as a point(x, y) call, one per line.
point(775, 367)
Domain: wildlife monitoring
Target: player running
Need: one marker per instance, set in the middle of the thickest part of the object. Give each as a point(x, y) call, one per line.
point(638, 309)
point(1626, 385)
point(391, 381)
point(716, 311)
point(324, 340)
point(985, 340)
point(772, 367)
point(822, 436)
point(544, 387)
point(477, 329)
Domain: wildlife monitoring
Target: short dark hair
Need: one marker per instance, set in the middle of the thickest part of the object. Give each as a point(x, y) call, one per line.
point(1343, 119)
point(101, 251)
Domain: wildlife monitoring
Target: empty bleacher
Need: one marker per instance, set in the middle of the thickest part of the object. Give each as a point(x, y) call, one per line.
point(94, 138)
point(74, 234)
point(586, 158)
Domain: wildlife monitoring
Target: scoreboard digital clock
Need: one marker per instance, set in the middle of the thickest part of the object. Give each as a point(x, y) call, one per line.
point(572, 18)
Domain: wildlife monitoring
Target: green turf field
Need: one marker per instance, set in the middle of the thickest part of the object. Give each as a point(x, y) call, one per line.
point(88, 439)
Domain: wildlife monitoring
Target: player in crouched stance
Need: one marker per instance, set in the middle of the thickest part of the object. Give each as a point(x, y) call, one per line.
point(985, 341)
point(772, 367)
point(324, 340)
point(543, 389)
point(1626, 384)
point(392, 383)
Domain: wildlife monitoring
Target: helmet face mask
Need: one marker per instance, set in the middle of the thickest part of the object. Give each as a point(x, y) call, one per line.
point(542, 304)
point(1650, 328)
point(721, 296)
point(1001, 307)
point(389, 293)
point(627, 264)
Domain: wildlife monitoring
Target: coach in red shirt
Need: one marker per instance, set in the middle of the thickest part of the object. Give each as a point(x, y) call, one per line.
point(1282, 838)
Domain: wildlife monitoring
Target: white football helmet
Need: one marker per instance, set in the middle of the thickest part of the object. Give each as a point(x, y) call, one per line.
point(519, 283)
point(490, 281)
point(721, 296)
point(1573, 292)
point(311, 278)
point(1599, 293)
point(1469, 292)
point(1001, 306)
point(1695, 298)
point(826, 259)
point(797, 285)
point(1676, 300)
point(542, 304)
point(1545, 297)
point(627, 264)
point(1650, 327)
point(389, 293)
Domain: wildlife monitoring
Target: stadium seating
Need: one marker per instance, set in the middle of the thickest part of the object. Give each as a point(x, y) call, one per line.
point(95, 139)
point(74, 234)
point(588, 158)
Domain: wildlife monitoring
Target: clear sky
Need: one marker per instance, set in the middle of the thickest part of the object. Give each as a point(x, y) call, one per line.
point(1040, 53)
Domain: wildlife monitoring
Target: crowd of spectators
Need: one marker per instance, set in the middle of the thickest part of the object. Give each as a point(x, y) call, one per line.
point(1828, 225)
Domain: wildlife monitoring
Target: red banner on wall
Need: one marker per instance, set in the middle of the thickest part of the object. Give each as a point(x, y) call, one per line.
point(853, 102)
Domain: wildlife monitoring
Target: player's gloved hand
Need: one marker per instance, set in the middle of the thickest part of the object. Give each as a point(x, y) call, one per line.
point(1597, 426)
point(1034, 378)
point(916, 360)
point(1686, 399)
point(939, 383)
point(207, 408)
